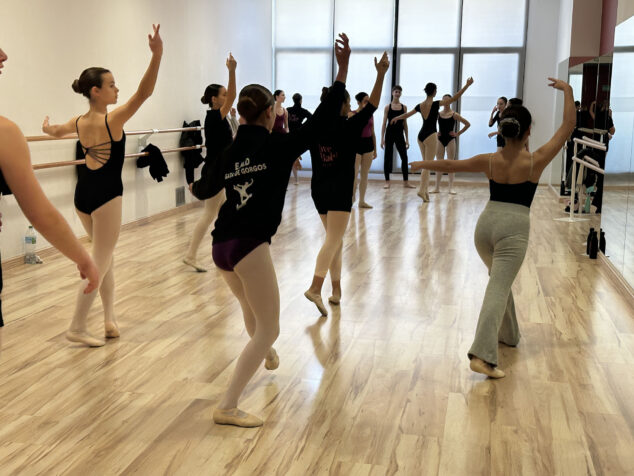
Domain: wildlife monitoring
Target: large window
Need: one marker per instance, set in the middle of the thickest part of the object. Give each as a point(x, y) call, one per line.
point(435, 41)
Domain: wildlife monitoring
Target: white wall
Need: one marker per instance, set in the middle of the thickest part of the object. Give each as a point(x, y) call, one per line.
point(564, 30)
point(541, 62)
point(50, 43)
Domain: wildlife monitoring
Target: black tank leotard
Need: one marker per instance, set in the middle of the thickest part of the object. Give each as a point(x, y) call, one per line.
point(397, 129)
point(446, 126)
point(96, 187)
point(429, 124)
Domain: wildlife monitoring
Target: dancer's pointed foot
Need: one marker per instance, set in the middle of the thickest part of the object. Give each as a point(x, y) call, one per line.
point(481, 367)
point(236, 417)
point(452, 191)
point(406, 184)
point(365, 205)
point(272, 360)
point(111, 330)
point(387, 185)
point(316, 299)
point(195, 265)
point(83, 338)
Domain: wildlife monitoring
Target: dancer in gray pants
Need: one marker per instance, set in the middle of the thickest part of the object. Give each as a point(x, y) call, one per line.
point(501, 235)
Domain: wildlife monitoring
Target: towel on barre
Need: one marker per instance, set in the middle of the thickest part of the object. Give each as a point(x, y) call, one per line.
point(192, 158)
point(158, 166)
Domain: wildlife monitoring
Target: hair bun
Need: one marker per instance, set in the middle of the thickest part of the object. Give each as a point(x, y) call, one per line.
point(248, 108)
point(76, 87)
point(509, 128)
point(204, 100)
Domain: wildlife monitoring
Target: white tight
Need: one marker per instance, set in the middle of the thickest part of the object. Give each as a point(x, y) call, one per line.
point(362, 163)
point(440, 155)
point(329, 257)
point(254, 284)
point(209, 215)
point(103, 227)
point(428, 151)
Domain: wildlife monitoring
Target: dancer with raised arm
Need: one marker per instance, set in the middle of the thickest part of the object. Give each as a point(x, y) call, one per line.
point(99, 186)
point(501, 235)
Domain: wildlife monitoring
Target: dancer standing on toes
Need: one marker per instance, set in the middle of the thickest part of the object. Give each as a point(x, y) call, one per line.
point(333, 157)
point(296, 115)
point(366, 153)
point(99, 186)
point(395, 135)
point(254, 172)
point(427, 138)
point(447, 135)
point(17, 177)
point(497, 111)
point(501, 235)
point(218, 136)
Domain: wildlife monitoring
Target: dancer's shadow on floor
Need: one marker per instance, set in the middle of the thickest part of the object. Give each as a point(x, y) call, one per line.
point(329, 352)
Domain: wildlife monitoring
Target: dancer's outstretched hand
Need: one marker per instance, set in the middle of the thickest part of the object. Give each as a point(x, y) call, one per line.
point(46, 126)
point(383, 64)
point(156, 43)
point(558, 84)
point(342, 50)
point(89, 271)
point(231, 63)
point(469, 81)
point(491, 134)
point(416, 165)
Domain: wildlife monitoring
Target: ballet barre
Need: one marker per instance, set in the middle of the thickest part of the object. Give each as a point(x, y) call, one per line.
point(66, 163)
point(131, 133)
point(586, 141)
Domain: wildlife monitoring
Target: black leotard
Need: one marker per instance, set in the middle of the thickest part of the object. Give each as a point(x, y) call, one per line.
point(397, 129)
point(519, 193)
point(446, 126)
point(96, 187)
point(429, 124)
point(499, 138)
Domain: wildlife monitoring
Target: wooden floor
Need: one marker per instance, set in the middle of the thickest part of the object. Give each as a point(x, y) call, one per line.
point(380, 387)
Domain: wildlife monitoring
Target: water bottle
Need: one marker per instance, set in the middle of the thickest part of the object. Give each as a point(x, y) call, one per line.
point(588, 240)
point(594, 246)
point(29, 246)
point(602, 241)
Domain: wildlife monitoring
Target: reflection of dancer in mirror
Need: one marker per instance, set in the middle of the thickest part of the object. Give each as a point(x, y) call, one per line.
point(494, 120)
point(99, 186)
point(333, 156)
point(296, 116)
point(366, 153)
point(427, 138)
point(218, 136)
point(395, 135)
point(501, 235)
point(447, 120)
point(254, 172)
point(17, 177)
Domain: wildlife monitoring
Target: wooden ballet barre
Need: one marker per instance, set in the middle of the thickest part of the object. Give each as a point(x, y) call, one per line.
point(131, 133)
point(66, 163)
point(590, 142)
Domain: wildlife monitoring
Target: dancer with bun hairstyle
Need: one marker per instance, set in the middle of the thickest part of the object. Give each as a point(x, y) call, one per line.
point(427, 137)
point(254, 172)
point(501, 235)
point(99, 186)
point(17, 178)
point(218, 136)
point(333, 157)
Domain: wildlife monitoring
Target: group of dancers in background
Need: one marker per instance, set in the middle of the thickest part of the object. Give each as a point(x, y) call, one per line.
point(244, 183)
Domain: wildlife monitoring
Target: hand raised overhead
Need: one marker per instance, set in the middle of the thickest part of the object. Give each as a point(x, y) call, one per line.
point(155, 41)
point(342, 50)
point(383, 64)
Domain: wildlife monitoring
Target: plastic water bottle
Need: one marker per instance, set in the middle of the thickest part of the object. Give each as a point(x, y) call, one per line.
point(29, 246)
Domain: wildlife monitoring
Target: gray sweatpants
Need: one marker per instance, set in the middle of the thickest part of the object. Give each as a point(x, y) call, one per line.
point(501, 238)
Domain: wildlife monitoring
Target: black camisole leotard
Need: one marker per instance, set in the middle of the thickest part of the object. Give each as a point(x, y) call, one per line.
point(96, 187)
point(446, 125)
point(429, 124)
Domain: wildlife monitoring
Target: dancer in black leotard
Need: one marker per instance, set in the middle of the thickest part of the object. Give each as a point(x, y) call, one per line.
point(427, 136)
point(495, 119)
point(395, 135)
point(447, 120)
point(501, 235)
point(17, 177)
point(99, 187)
point(296, 116)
